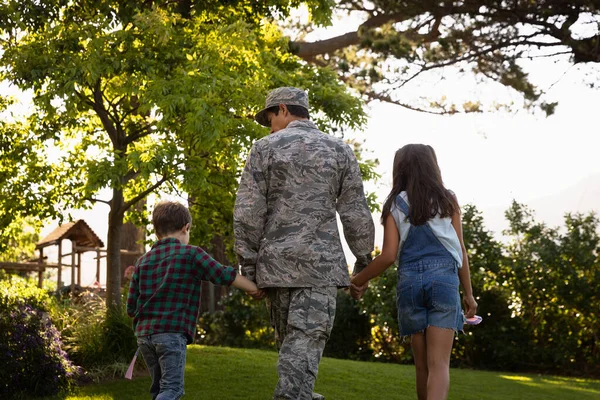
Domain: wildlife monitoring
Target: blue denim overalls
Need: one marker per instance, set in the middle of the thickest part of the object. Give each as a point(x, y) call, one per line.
point(427, 291)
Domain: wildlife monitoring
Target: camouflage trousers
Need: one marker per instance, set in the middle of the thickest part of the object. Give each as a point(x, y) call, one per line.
point(302, 319)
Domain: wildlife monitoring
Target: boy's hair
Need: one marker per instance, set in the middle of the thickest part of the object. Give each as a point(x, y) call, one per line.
point(297, 111)
point(169, 217)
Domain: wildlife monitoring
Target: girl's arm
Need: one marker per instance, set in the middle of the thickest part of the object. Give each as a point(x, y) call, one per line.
point(389, 252)
point(464, 275)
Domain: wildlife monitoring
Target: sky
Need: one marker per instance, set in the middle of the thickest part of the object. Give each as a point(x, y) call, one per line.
point(549, 163)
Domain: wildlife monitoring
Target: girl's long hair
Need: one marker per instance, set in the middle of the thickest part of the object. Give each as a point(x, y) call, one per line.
point(416, 171)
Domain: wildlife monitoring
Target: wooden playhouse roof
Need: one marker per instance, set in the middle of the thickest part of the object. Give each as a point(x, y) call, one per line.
point(78, 231)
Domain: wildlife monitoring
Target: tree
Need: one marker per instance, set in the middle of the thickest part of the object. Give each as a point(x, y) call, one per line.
point(23, 156)
point(554, 277)
point(142, 96)
point(400, 40)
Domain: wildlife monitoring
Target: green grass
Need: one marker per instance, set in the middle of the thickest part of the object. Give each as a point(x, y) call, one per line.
point(216, 373)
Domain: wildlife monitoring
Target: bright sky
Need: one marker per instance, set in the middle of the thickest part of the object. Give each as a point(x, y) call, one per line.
point(487, 159)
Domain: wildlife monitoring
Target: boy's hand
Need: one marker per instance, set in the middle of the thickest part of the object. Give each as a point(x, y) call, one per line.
point(258, 294)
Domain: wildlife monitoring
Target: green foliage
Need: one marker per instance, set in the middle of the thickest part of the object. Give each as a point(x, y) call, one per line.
point(500, 341)
point(242, 322)
point(94, 338)
point(25, 197)
point(15, 290)
point(538, 294)
point(19, 238)
point(34, 362)
point(351, 332)
point(554, 278)
point(140, 98)
point(379, 304)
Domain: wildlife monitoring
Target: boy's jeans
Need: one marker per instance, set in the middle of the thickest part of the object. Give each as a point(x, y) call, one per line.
point(164, 354)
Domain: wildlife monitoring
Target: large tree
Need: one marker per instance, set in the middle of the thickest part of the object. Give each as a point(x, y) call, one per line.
point(400, 40)
point(141, 96)
point(158, 94)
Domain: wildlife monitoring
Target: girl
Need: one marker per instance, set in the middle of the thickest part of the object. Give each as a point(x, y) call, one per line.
point(423, 231)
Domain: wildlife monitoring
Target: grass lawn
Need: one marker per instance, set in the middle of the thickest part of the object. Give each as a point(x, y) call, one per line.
point(217, 373)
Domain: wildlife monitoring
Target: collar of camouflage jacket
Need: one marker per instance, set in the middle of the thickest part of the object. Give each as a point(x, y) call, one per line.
point(302, 123)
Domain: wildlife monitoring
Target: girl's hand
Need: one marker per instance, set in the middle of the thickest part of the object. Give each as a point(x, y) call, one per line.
point(470, 306)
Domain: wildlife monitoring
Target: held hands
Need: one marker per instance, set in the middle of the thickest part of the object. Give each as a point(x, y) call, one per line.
point(357, 291)
point(258, 294)
point(470, 306)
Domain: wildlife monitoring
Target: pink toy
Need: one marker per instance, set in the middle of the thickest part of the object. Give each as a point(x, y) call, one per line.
point(474, 320)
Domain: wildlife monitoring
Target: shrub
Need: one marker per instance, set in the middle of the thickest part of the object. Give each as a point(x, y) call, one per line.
point(34, 362)
point(351, 331)
point(94, 338)
point(243, 322)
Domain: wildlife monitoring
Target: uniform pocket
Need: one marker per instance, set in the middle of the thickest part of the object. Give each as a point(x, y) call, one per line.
point(444, 295)
point(321, 311)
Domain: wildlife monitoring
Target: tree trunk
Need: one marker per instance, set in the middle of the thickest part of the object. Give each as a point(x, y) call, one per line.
point(132, 239)
point(211, 294)
point(113, 251)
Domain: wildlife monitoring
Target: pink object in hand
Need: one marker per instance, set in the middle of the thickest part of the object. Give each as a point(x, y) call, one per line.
point(129, 373)
point(474, 320)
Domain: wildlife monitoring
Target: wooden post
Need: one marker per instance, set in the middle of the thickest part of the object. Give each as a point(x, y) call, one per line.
point(98, 266)
point(79, 269)
point(73, 266)
point(59, 275)
point(42, 269)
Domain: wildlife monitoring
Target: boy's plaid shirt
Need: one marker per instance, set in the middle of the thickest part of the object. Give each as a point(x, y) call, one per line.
point(164, 293)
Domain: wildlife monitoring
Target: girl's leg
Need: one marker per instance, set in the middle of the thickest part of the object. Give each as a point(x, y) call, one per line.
point(419, 349)
point(439, 347)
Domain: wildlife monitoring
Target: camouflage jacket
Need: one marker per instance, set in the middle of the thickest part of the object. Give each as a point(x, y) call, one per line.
point(285, 221)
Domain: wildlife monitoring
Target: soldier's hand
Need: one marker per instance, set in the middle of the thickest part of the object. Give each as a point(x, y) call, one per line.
point(357, 291)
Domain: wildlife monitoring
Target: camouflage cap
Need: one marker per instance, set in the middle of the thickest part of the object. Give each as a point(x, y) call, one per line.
point(290, 96)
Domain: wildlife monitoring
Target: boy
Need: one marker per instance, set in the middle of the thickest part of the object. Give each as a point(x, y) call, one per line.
point(164, 297)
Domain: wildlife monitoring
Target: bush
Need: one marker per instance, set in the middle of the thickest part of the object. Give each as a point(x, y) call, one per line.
point(351, 331)
point(94, 338)
point(34, 362)
point(243, 322)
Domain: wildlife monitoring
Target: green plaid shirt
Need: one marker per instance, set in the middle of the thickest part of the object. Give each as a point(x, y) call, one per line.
point(164, 293)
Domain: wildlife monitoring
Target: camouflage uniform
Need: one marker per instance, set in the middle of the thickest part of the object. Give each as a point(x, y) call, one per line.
point(287, 238)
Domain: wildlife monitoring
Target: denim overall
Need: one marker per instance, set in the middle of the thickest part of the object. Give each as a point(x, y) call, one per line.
point(427, 291)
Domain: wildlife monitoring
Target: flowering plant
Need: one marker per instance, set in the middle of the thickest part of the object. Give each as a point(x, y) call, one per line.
point(34, 361)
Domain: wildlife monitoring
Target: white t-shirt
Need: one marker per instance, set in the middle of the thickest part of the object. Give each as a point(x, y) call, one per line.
point(441, 227)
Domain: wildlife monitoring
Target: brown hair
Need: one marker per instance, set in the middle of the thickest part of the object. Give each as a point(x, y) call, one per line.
point(416, 171)
point(169, 217)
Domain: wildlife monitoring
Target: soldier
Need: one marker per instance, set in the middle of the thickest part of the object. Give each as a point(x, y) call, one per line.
point(286, 232)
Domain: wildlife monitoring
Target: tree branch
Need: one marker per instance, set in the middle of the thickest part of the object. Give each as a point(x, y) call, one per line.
point(138, 134)
point(127, 205)
point(387, 99)
point(309, 50)
point(131, 174)
point(103, 114)
point(93, 200)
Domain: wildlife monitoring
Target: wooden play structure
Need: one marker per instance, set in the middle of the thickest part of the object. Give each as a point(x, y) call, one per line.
point(83, 239)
